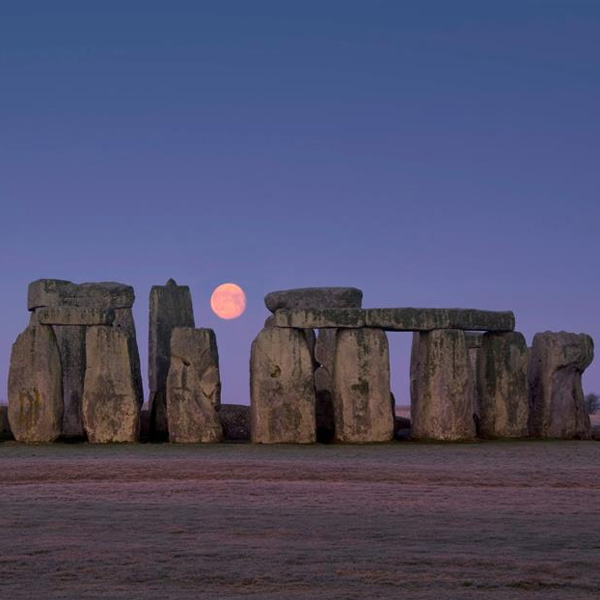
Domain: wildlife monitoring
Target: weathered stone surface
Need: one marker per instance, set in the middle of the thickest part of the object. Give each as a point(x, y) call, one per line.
point(35, 397)
point(69, 315)
point(194, 387)
point(4, 424)
point(474, 340)
point(71, 345)
point(440, 387)
point(557, 404)
point(317, 297)
point(361, 387)
point(125, 324)
point(111, 398)
point(102, 295)
point(503, 386)
point(427, 319)
point(282, 388)
point(321, 318)
point(170, 307)
point(235, 421)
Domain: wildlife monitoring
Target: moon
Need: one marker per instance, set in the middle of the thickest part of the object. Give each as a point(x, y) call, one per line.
point(228, 301)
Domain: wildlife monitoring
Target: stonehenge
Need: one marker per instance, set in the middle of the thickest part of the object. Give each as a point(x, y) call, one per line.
point(319, 371)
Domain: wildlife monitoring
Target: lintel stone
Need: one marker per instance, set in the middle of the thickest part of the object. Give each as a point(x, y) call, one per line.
point(69, 315)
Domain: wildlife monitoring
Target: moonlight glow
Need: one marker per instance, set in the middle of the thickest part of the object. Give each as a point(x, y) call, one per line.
point(228, 301)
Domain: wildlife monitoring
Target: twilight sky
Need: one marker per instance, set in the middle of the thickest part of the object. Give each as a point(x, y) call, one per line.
point(432, 154)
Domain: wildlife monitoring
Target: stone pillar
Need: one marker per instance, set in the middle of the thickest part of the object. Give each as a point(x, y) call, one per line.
point(474, 340)
point(282, 393)
point(194, 387)
point(111, 399)
point(170, 307)
point(441, 388)
point(502, 385)
point(361, 387)
point(35, 396)
point(557, 404)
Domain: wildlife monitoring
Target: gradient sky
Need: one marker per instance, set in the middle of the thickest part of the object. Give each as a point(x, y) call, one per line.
point(432, 154)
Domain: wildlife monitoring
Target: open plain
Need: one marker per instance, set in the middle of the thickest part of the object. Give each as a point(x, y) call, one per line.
point(496, 520)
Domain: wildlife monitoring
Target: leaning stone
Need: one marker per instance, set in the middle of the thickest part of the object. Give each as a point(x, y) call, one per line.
point(320, 318)
point(282, 388)
point(68, 315)
point(427, 319)
point(361, 387)
point(235, 420)
point(441, 388)
point(194, 387)
point(111, 399)
point(317, 297)
point(35, 398)
point(170, 307)
point(102, 295)
point(502, 386)
point(557, 403)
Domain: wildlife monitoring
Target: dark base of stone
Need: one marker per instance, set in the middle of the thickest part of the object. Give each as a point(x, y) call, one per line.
point(235, 420)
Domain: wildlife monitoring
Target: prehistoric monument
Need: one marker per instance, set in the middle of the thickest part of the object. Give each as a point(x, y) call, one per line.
point(319, 371)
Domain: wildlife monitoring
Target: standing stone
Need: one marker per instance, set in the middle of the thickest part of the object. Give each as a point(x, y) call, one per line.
point(125, 324)
point(361, 387)
point(474, 340)
point(503, 386)
point(111, 398)
point(170, 307)
point(35, 397)
point(441, 388)
point(194, 387)
point(282, 393)
point(557, 404)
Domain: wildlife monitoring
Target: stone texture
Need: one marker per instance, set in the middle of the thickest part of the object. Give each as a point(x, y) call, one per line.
point(282, 388)
point(441, 387)
point(361, 387)
point(557, 405)
point(474, 341)
point(125, 324)
point(317, 297)
point(194, 387)
point(427, 319)
point(68, 315)
point(503, 386)
point(101, 295)
point(320, 318)
point(170, 307)
point(71, 345)
point(111, 398)
point(235, 421)
point(35, 397)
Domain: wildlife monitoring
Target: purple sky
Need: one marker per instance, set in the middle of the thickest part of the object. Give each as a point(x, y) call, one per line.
point(432, 154)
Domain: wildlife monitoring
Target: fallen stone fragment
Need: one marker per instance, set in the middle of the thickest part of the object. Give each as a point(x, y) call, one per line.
point(316, 297)
point(68, 315)
point(35, 397)
point(194, 387)
point(235, 421)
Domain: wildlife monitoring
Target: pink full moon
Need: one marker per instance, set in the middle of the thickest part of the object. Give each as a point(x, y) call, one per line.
point(228, 301)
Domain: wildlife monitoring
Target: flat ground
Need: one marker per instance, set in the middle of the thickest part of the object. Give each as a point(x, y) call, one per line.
point(500, 520)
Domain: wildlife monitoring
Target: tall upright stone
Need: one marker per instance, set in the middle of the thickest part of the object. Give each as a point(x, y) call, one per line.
point(282, 392)
point(474, 341)
point(35, 397)
point(361, 387)
point(194, 387)
point(503, 386)
point(441, 386)
point(111, 398)
point(557, 403)
point(170, 307)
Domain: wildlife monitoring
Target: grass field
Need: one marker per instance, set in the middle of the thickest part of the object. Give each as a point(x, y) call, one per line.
point(404, 520)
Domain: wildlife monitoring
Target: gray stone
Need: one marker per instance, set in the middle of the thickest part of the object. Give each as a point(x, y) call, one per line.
point(194, 387)
point(282, 388)
point(474, 339)
point(557, 404)
point(503, 386)
point(235, 420)
point(427, 319)
point(321, 318)
point(317, 297)
point(101, 295)
point(111, 398)
point(362, 404)
point(69, 315)
point(35, 397)
point(441, 387)
point(170, 307)
point(125, 324)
